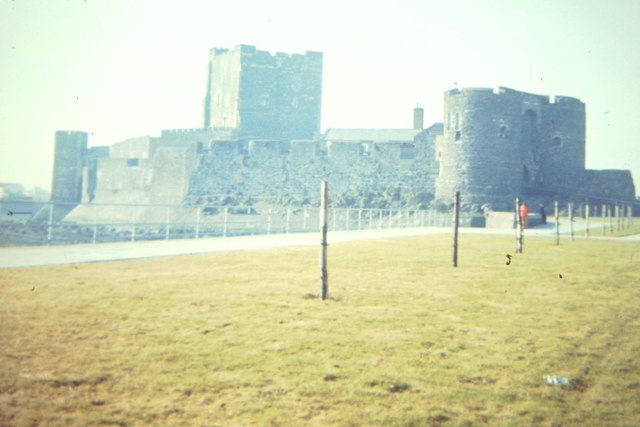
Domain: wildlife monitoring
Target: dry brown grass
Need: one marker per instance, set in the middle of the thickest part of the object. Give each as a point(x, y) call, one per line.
point(241, 338)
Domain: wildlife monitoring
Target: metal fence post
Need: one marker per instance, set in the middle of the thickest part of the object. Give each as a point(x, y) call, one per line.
point(586, 218)
point(570, 206)
point(304, 219)
point(226, 222)
point(197, 222)
point(133, 223)
point(518, 227)
point(288, 224)
point(557, 215)
point(95, 224)
point(347, 219)
point(49, 228)
point(167, 226)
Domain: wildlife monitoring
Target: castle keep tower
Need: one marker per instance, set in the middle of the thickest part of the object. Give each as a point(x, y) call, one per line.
point(69, 159)
point(263, 95)
point(501, 144)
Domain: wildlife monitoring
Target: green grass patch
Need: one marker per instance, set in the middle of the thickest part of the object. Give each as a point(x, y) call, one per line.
point(405, 339)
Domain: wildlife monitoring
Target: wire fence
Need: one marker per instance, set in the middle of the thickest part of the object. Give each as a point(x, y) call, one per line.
point(68, 223)
point(23, 222)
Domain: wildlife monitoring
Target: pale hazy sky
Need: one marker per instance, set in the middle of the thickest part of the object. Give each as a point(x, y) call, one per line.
point(125, 68)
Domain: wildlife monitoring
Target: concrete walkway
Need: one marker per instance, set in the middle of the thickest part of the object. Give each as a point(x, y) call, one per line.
point(31, 256)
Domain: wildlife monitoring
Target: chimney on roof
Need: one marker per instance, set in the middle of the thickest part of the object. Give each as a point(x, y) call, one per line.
point(418, 118)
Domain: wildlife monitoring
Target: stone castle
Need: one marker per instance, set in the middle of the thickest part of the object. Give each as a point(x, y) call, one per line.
point(261, 137)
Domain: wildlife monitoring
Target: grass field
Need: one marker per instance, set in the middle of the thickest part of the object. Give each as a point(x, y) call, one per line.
point(241, 338)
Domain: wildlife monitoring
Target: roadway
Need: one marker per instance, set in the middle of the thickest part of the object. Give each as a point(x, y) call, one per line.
point(32, 256)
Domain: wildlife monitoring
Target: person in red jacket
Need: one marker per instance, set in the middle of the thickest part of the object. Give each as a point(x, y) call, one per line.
point(524, 215)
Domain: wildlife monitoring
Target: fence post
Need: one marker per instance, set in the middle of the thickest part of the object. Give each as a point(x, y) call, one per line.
point(288, 224)
point(304, 219)
point(49, 228)
point(95, 224)
point(167, 228)
point(586, 218)
point(456, 217)
point(370, 219)
point(630, 215)
point(570, 207)
point(347, 219)
point(603, 214)
point(518, 227)
point(225, 223)
point(557, 215)
point(324, 274)
point(610, 215)
point(617, 213)
point(197, 222)
point(269, 222)
point(133, 223)
point(380, 218)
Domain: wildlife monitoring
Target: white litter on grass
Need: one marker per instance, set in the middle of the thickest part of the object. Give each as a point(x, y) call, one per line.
point(556, 380)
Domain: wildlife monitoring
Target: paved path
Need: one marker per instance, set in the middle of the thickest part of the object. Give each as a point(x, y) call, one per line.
point(31, 256)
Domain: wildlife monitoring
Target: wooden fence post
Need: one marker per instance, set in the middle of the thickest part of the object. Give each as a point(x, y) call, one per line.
point(324, 210)
point(518, 227)
point(604, 219)
point(456, 218)
point(557, 215)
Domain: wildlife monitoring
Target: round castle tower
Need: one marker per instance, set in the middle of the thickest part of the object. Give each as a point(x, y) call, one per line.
point(501, 144)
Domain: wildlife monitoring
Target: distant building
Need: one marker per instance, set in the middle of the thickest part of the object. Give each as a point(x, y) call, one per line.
point(261, 138)
point(263, 95)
